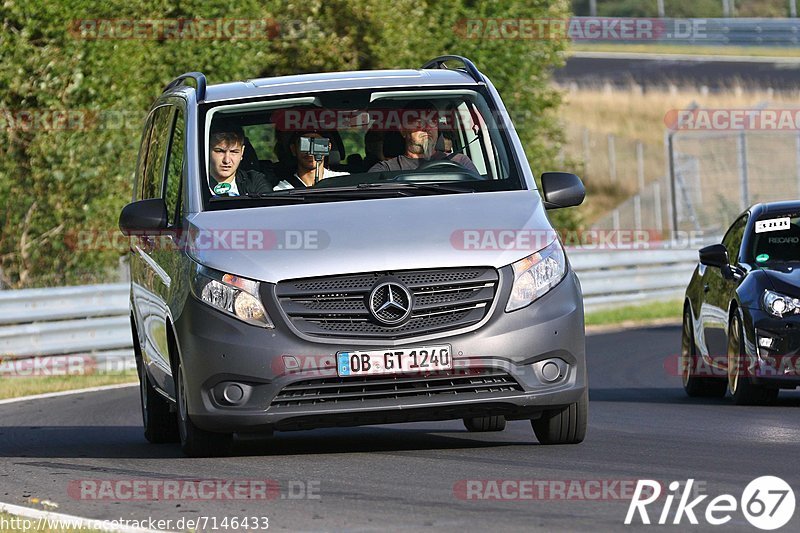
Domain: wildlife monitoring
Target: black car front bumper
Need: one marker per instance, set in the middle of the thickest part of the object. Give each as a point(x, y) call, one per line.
point(773, 345)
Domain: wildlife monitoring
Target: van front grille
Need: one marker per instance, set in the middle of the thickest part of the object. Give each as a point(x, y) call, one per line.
point(454, 384)
point(336, 306)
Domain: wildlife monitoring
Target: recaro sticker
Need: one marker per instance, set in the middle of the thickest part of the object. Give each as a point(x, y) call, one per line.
point(774, 224)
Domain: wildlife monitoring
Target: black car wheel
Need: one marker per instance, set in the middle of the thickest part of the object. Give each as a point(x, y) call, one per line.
point(694, 385)
point(485, 423)
point(563, 426)
point(160, 424)
point(197, 442)
point(741, 387)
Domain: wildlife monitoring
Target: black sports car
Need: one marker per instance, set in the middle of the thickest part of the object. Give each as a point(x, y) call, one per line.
point(741, 317)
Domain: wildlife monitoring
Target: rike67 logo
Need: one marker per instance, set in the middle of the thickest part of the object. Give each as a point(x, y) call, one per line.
point(767, 502)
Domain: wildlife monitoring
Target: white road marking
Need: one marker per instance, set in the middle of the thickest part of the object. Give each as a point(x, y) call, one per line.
point(74, 522)
point(67, 393)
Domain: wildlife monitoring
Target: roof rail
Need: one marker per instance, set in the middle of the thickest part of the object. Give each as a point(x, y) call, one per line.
point(199, 80)
point(469, 66)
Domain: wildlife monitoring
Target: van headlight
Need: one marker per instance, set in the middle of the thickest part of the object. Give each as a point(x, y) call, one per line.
point(536, 274)
point(238, 297)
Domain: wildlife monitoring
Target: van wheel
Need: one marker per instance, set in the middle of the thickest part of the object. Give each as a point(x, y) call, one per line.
point(197, 442)
point(695, 386)
point(485, 423)
point(563, 426)
point(160, 425)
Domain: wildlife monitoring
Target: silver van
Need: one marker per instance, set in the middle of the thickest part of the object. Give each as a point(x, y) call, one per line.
point(348, 248)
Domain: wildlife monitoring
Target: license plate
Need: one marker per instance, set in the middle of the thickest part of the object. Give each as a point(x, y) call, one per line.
point(377, 362)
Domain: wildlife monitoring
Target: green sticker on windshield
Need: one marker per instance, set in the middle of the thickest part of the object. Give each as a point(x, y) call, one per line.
point(762, 258)
point(222, 188)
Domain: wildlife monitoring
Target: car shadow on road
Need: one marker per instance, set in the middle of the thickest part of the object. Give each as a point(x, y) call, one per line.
point(676, 396)
point(379, 439)
point(36, 442)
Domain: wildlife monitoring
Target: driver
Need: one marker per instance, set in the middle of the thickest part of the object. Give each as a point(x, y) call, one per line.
point(420, 131)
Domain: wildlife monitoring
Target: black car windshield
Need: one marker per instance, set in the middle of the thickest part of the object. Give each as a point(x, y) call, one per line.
point(776, 239)
point(354, 144)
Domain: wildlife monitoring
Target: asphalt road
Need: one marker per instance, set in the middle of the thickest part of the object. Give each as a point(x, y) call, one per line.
point(659, 73)
point(407, 477)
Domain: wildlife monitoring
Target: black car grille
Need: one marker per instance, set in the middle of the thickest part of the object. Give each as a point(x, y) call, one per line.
point(454, 384)
point(335, 306)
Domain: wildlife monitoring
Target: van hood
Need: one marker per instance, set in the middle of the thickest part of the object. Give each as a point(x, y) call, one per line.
point(453, 230)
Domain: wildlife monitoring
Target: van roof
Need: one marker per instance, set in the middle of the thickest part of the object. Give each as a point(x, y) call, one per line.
point(329, 81)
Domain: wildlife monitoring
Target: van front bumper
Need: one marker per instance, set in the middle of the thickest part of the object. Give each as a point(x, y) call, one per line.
point(243, 378)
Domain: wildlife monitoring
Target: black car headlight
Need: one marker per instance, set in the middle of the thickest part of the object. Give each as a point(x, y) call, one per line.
point(536, 274)
point(231, 294)
point(778, 304)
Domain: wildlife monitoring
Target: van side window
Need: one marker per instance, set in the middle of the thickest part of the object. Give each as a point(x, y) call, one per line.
point(157, 152)
point(173, 177)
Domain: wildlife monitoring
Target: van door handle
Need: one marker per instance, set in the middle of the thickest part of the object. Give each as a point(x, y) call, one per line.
point(706, 288)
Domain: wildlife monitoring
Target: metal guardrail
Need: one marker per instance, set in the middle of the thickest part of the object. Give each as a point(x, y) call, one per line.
point(93, 319)
point(610, 278)
point(46, 305)
point(89, 319)
point(706, 31)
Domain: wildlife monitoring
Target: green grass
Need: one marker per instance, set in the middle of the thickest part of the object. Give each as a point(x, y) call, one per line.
point(636, 314)
point(13, 387)
point(657, 48)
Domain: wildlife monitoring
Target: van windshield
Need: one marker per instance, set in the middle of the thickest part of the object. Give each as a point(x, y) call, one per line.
point(350, 145)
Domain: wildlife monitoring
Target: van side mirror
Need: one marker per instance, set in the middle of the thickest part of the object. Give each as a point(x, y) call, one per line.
point(562, 189)
point(143, 216)
point(715, 255)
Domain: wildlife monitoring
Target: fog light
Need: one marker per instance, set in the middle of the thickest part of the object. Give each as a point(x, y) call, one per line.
point(233, 393)
point(766, 342)
point(550, 371)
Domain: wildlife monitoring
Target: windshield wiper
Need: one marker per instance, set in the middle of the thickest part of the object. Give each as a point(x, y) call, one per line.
point(365, 189)
point(299, 195)
point(358, 191)
point(249, 196)
point(350, 191)
point(435, 187)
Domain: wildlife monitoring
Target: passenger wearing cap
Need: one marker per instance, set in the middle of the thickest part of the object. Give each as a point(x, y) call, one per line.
point(225, 178)
point(420, 131)
point(306, 170)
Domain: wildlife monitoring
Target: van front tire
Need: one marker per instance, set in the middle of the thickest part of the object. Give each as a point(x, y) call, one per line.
point(197, 442)
point(563, 426)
